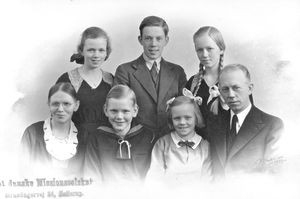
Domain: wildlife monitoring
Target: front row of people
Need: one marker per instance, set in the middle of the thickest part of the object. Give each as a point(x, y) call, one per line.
point(244, 139)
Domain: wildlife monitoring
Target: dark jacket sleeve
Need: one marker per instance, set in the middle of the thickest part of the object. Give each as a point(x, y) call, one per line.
point(273, 150)
point(182, 81)
point(28, 148)
point(121, 76)
point(26, 142)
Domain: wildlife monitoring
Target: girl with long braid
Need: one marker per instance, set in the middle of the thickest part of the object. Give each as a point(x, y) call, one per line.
point(210, 47)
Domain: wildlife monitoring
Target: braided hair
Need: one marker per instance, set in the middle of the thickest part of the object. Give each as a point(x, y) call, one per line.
point(216, 36)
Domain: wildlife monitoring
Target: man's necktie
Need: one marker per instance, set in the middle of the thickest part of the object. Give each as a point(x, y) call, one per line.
point(232, 132)
point(154, 73)
point(186, 143)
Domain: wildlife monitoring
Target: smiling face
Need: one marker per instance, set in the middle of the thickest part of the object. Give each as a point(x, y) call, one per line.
point(120, 113)
point(235, 88)
point(207, 51)
point(184, 120)
point(94, 52)
point(62, 106)
point(153, 41)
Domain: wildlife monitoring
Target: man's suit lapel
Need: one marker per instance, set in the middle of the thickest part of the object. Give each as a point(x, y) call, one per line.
point(143, 76)
point(166, 80)
point(249, 129)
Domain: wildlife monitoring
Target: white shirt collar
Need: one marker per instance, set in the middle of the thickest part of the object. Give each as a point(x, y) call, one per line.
point(241, 116)
point(149, 62)
point(176, 138)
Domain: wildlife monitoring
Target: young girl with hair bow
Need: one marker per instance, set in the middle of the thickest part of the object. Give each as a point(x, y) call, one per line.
point(181, 155)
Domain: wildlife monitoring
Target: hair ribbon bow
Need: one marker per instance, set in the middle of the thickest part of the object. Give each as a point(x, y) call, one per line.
point(189, 94)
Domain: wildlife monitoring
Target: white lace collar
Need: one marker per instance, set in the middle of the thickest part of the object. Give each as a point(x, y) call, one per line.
point(60, 149)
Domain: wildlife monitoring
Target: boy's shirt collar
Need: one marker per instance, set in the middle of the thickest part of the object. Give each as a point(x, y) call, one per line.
point(149, 62)
point(133, 130)
point(123, 153)
point(241, 117)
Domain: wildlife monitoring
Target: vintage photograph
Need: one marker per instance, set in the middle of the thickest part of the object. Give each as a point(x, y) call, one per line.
point(133, 98)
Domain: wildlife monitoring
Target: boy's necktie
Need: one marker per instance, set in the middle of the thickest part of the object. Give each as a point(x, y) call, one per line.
point(154, 73)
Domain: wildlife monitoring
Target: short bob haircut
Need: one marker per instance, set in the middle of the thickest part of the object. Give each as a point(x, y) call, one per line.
point(121, 91)
point(65, 87)
point(185, 100)
point(154, 21)
point(94, 33)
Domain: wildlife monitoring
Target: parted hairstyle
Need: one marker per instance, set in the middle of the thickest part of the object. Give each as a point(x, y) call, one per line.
point(93, 33)
point(65, 87)
point(216, 36)
point(121, 91)
point(185, 100)
point(213, 33)
point(234, 67)
point(154, 21)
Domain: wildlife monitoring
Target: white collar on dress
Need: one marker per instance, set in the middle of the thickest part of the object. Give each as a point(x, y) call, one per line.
point(176, 138)
point(60, 149)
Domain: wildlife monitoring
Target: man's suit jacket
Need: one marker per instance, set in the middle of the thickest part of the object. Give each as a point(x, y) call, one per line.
point(152, 105)
point(255, 148)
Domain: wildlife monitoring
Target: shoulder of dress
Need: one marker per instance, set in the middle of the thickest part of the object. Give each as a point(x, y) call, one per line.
point(164, 139)
point(107, 77)
point(36, 125)
point(35, 130)
point(75, 78)
point(64, 75)
point(191, 78)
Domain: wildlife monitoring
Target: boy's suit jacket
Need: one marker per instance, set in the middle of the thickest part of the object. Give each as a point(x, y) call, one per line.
point(152, 105)
point(255, 148)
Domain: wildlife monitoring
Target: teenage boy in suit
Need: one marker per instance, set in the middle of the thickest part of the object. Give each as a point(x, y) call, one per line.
point(151, 77)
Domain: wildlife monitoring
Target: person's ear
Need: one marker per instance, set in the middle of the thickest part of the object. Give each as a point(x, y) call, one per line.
point(105, 110)
point(140, 39)
point(251, 86)
point(135, 110)
point(167, 39)
point(77, 103)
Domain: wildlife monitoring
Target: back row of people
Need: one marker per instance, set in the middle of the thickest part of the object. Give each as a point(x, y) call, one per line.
point(155, 81)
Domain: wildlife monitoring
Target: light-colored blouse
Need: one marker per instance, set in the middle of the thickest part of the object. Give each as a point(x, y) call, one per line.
point(171, 162)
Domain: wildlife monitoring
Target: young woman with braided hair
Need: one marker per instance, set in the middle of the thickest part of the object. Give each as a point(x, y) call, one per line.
point(210, 47)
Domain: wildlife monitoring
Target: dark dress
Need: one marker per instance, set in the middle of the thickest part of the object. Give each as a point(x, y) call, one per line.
point(90, 114)
point(115, 159)
point(203, 92)
point(35, 153)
